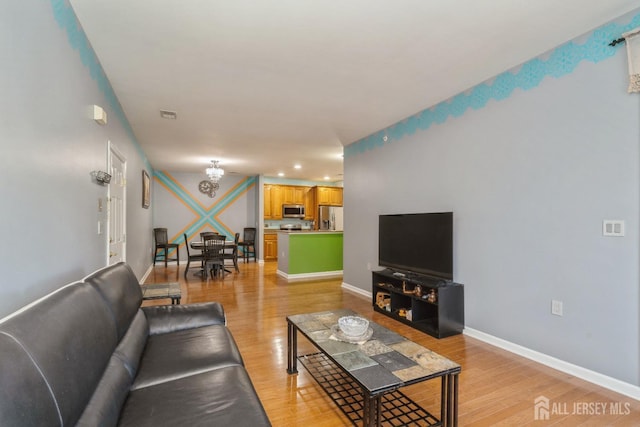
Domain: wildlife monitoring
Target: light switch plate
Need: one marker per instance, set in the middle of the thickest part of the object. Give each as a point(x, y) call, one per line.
point(556, 307)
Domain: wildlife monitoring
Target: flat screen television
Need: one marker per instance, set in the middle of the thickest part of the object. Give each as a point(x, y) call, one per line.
point(420, 243)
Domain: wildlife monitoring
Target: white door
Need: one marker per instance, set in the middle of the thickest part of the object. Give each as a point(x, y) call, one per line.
point(116, 213)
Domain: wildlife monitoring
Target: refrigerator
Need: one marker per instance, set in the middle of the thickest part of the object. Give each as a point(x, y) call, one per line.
point(330, 218)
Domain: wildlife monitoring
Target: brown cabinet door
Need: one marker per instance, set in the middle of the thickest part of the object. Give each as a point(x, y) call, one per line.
point(335, 196)
point(276, 202)
point(323, 195)
point(298, 195)
point(270, 247)
point(309, 204)
point(329, 196)
point(268, 214)
point(287, 195)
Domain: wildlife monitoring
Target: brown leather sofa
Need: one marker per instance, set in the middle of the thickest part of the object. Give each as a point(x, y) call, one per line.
point(88, 355)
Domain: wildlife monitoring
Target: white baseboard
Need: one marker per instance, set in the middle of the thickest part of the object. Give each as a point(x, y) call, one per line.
point(146, 274)
point(310, 276)
point(605, 381)
point(356, 290)
point(599, 379)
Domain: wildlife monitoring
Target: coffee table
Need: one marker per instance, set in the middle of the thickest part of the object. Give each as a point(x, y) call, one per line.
point(162, 291)
point(364, 378)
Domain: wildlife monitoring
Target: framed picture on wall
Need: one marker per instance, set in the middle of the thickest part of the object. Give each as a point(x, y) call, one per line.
point(146, 190)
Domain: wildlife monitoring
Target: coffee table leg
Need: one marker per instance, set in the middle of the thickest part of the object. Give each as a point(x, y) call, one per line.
point(449, 400)
point(444, 400)
point(371, 411)
point(453, 405)
point(292, 348)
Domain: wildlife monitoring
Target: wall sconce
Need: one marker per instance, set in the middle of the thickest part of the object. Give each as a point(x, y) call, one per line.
point(101, 177)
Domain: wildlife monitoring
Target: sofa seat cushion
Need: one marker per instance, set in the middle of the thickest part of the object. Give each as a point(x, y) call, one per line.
point(179, 354)
point(222, 397)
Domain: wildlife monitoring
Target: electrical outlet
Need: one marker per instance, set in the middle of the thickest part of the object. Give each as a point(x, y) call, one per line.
point(556, 307)
point(369, 266)
point(613, 228)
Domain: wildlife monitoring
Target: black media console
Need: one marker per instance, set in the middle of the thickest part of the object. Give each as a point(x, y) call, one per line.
point(431, 305)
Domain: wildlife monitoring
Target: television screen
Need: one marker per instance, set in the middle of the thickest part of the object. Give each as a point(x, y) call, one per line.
point(421, 243)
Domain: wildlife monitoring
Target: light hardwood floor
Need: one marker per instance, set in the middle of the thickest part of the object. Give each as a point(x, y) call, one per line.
point(497, 388)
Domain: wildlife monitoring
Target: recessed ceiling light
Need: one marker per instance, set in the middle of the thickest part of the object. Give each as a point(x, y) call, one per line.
point(280, 173)
point(170, 115)
point(297, 166)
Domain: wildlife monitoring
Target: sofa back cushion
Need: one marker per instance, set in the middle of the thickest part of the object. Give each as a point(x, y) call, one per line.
point(120, 288)
point(107, 400)
point(68, 337)
point(25, 398)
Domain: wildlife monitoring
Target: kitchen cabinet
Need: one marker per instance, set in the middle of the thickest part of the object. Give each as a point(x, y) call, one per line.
point(311, 197)
point(270, 246)
point(272, 202)
point(292, 195)
point(267, 202)
point(331, 196)
point(276, 202)
point(277, 195)
point(309, 204)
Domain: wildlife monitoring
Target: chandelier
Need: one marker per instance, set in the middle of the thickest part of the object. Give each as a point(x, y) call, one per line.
point(214, 172)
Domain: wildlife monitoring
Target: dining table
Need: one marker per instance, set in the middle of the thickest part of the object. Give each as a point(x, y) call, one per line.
point(198, 245)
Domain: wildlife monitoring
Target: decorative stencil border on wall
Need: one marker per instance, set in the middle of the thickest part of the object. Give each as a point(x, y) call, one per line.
point(205, 217)
point(68, 21)
point(561, 61)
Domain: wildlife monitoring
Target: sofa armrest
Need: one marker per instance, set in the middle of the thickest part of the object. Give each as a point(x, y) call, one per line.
point(168, 318)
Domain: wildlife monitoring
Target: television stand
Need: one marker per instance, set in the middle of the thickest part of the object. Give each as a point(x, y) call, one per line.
point(429, 304)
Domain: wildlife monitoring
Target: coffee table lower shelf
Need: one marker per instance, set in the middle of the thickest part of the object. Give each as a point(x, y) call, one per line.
point(396, 408)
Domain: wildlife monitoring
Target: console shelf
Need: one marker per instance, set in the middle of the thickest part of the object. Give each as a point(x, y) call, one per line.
point(431, 305)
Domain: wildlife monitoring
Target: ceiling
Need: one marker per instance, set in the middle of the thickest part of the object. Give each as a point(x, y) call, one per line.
point(263, 85)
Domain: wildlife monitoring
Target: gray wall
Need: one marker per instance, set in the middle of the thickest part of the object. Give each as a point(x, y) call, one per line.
point(49, 145)
point(529, 179)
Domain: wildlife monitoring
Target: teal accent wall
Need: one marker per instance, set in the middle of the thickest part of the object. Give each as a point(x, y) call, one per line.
point(182, 209)
point(313, 253)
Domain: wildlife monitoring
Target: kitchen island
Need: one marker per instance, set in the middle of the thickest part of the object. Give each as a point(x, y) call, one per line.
point(307, 255)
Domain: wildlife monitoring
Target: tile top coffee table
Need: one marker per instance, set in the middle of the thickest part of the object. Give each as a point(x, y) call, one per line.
point(379, 367)
point(162, 291)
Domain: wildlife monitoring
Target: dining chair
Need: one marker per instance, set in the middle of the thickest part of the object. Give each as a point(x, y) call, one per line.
point(207, 233)
point(162, 244)
point(248, 243)
point(213, 255)
point(233, 254)
point(192, 258)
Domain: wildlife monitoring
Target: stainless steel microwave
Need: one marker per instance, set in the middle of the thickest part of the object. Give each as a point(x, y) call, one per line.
point(292, 211)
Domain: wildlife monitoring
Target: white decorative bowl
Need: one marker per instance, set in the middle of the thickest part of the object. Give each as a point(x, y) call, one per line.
point(353, 326)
